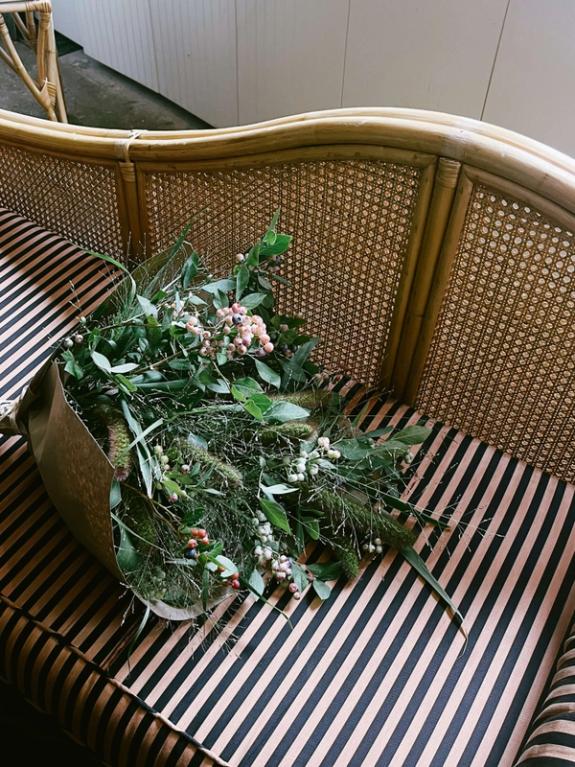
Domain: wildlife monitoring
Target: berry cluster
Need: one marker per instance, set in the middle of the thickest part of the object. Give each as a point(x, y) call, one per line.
point(199, 537)
point(306, 464)
point(241, 330)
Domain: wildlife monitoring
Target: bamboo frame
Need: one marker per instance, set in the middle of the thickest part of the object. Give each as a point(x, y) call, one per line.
point(434, 275)
point(444, 191)
point(453, 155)
point(39, 34)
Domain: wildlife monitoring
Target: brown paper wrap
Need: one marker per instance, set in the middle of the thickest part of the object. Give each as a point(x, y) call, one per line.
point(75, 471)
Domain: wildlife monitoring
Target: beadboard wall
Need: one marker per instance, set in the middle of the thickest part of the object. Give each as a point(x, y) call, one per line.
point(511, 62)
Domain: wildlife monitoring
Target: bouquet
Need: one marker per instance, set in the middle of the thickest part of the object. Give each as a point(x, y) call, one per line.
point(193, 445)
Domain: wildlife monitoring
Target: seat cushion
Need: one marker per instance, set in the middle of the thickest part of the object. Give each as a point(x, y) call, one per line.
point(377, 675)
point(551, 737)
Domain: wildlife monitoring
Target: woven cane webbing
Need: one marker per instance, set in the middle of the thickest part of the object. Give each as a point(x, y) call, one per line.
point(502, 360)
point(76, 199)
point(351, 220)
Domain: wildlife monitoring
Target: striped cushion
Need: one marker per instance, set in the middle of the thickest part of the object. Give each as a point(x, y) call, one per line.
point(378, 675)
point(551, 739)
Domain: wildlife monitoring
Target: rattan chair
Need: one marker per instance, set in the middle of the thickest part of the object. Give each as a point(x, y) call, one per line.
point(435, 256)
point(34, 22)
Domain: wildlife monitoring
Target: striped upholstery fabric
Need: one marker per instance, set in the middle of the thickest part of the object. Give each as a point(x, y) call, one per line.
point(551, 739)
point(378, 675)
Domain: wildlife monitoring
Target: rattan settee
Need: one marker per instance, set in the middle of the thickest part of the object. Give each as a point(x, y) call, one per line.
point(436, 257)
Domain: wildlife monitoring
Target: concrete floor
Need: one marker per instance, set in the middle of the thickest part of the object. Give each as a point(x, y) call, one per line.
point(96, 95)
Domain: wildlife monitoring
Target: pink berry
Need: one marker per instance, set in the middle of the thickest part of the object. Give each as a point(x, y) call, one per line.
point(269, 347)
point(235, 308)
point(293, 588)
point(265, 339)
point(235, 584)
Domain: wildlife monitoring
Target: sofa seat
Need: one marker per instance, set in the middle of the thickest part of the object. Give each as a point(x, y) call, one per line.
point(378, 675)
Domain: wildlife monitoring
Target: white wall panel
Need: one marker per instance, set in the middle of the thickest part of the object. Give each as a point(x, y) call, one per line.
point(196, 56)
point(533, 86)
point(290, 56)
point(119, 34)
point(429, 54)
point(69, 18)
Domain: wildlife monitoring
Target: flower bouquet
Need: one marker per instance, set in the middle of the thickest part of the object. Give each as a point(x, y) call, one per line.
point(191, 443)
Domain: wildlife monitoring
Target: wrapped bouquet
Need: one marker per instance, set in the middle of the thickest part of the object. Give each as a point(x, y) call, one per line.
point(191, 443)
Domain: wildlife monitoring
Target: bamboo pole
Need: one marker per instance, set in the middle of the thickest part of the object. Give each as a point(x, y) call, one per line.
point(437, 219)
point(438, 283)
point(408, 273)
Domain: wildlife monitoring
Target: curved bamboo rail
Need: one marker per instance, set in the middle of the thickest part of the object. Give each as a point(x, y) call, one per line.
point(472, 272)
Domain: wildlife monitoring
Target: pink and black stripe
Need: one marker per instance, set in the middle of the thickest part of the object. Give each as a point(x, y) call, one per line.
point(375, 676)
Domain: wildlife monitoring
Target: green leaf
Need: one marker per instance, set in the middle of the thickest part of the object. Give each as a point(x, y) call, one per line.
point(71, 365)
point(220, 285)
point(253, 409)
point(145, 460)
point(268, 375)
point(286, 411)
point(122, 268)
point(115, 494)
point(127, 368)
point(421, 568)
point(279, 489)
point(271, 234)
point(219, 387)
point(257, 583)
point(244, 388)
point(312, 527)
point(126, 556)
point(412, 435)
point(196, 441)
point(228, 565)
point(190, 270)
point(299, 576)
point(253, 299)
point(329, 571)
point(275, 514)
point(205, 588)
point(148, 308)
point(354, 449)
point(322, 590)
point(279, 247)
point(242, 280)
point(102, 362)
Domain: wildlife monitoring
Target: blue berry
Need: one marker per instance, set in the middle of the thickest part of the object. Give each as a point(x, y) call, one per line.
point(191, 554)
point(237, 319)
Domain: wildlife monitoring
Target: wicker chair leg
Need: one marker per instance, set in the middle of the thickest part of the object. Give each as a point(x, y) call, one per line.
point(39, 34)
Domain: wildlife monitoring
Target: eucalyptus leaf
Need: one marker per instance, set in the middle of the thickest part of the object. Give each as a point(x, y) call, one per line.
point(268, 375)
point(257, 583)
point(148, 308)
point(102, 362)
point(128, 367)
point(326, 571)
point(322, 590)
point(412, 435)
point(299, 576)
point(286, 411)
point(242, 280)
point(275, 514)
point(252, 300)
point(220, 285)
